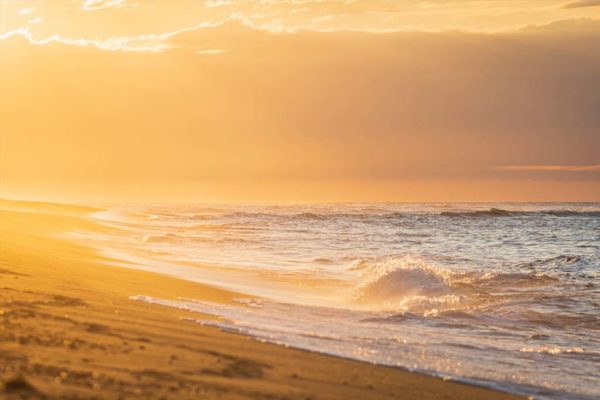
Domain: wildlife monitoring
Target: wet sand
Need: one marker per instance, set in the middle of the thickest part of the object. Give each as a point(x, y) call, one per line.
point(68, 330)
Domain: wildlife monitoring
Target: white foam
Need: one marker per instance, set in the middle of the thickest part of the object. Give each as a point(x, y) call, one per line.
point(362, 335)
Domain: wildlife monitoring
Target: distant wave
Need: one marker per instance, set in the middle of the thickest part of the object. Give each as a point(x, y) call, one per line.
point(314, 216)
point(323, 260)
point(163, 238)
point(552, 262)
point(311, 216)
point(498, 212)
point(493, 281)
point(492, 212)
point(367, 215)
point(224, 227)
point(569, 213)
point(173, 238)
point(202, 217)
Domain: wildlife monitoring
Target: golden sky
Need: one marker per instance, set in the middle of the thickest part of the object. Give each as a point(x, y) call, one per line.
point(300, 100)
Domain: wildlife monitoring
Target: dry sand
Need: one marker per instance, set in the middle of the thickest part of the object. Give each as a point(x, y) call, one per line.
point(68, 330)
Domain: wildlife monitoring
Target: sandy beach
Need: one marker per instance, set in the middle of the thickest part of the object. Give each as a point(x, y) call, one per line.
point(69, 330)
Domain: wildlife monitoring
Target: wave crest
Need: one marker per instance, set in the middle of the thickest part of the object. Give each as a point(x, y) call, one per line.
point(498, 212)
point(492, 212)
point(555, 262)
point(411, 284)
point(162, 238)
point(407, 282)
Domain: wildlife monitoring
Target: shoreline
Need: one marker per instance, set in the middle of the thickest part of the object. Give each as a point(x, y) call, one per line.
point(71, 331)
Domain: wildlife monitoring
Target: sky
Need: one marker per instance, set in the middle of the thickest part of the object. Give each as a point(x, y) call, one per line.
point(300, 100)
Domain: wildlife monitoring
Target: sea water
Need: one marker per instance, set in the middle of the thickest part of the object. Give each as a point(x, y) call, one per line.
point(502, 295)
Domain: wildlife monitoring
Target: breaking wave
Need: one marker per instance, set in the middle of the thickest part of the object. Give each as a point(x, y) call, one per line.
point(400, 277)
point(412, 284)
point(405, 284)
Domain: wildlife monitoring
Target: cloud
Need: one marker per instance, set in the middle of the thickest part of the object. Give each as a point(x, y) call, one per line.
point(583, 25)
point(93, 5)
point(306, 105)
point(550, 168)
point(26, 11)
point(210, 52)
point(401, 105)
point(582, 3)
point(141, 43)
point(158, 42)
point(153, 42)
point(219, 3)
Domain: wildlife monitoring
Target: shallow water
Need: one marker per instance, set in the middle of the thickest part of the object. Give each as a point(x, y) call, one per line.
point(505, 295)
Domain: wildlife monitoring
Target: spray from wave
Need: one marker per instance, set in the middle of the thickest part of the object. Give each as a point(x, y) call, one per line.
point(398, 283)
point(413, 284)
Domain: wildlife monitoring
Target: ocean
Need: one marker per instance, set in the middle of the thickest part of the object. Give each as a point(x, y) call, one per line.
point(502, 295)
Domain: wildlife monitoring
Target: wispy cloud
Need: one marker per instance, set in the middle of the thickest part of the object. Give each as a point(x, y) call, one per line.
point(142, 43)
point(219, 3)
point(158, 42)
point(154, 42)
point(93, 5)
point(26, 11)
point(210, 52)
point(550, 168)
point(582, 3)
